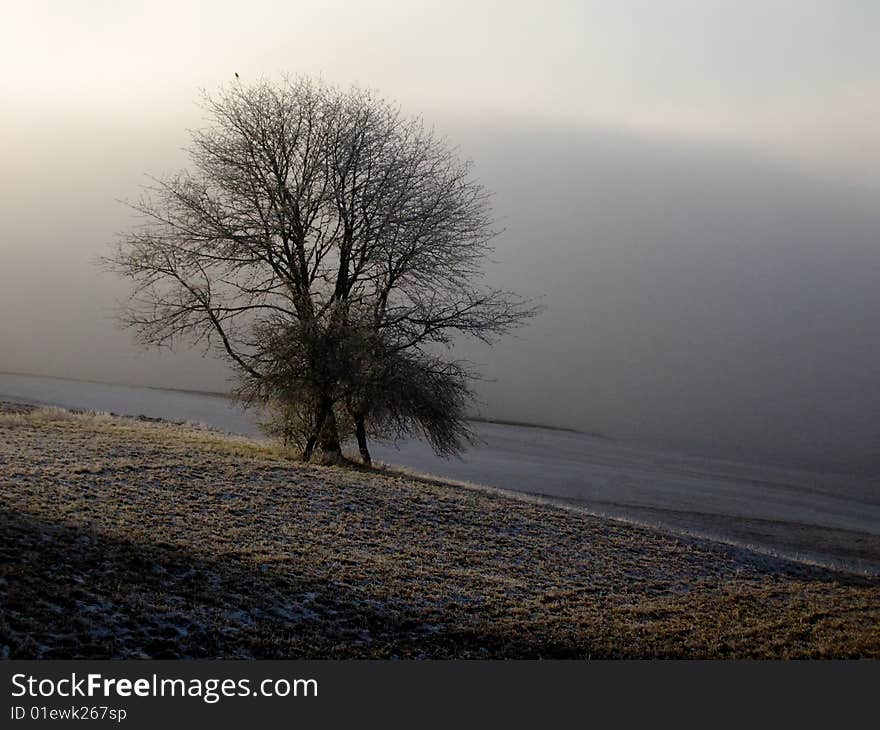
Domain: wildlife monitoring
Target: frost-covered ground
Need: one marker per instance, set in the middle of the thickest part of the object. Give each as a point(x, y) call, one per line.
point(121, 538)
point(826, 518)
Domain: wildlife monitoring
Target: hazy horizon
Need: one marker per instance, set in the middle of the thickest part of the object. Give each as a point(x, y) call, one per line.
point(690, 188)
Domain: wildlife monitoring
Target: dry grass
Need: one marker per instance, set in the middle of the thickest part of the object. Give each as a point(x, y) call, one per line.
point(123, 538)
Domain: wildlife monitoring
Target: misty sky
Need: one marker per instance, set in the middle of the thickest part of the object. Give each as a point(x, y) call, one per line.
point(692, 187)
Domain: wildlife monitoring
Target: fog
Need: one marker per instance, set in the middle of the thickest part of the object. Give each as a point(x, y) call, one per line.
point(697, 297)
point(707, 256)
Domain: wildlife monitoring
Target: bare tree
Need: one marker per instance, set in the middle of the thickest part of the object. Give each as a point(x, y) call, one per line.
point(314, 220)
point(413, 394)
point(381, 392)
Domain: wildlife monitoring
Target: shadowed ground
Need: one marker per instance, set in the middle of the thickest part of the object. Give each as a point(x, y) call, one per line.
point(121, 538)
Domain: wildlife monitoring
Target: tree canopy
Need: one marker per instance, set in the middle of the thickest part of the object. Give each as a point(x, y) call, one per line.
point(326, 245)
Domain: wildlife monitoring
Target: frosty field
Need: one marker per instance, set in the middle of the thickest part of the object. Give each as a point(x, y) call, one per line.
point(129, 539)
point(830, 519)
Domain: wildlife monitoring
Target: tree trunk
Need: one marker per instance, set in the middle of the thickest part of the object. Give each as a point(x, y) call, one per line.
point(328, 440)
point(316, 432)
point(361, 432)
point(324, 436)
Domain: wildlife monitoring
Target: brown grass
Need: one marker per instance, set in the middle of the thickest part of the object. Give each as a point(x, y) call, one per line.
point(122, 538)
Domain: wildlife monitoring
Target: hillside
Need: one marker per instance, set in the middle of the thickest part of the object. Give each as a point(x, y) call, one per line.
point(127, 538)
